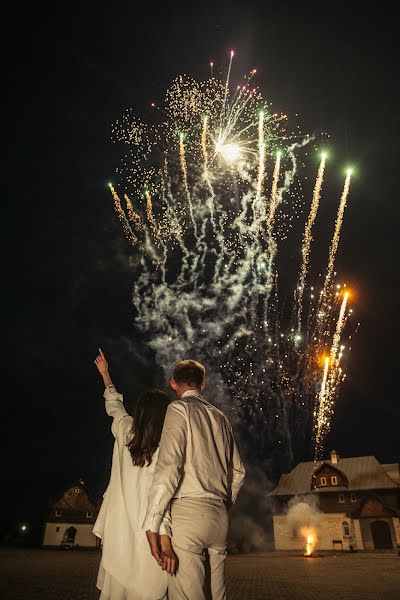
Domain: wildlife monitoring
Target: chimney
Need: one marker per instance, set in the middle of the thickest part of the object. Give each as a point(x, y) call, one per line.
point(334, 457)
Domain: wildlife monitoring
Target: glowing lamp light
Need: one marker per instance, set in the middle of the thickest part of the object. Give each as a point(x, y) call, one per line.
point(230, 152)
point(23, 527)
point(349, 171)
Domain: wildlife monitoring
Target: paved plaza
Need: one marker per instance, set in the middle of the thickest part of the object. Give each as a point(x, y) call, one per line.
point(56, 575)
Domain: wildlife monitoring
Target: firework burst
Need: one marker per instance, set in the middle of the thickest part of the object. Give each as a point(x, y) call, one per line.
point(215, 188)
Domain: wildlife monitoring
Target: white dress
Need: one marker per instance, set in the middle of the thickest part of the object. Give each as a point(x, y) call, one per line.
point(127, 570)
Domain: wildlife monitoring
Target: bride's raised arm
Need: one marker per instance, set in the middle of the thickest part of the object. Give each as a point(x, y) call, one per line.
point(114, 401)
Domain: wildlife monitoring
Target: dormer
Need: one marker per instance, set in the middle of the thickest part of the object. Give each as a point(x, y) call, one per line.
point(328, 476)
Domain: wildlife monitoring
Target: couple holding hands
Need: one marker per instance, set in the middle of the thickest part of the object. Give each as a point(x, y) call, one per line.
point(175, 472)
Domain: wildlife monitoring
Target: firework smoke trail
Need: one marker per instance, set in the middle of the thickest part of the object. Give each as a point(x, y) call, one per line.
point(321, 413)
point(261, 165)
point(226, 91)
point(206, 285)
point(336, 235)
point(122, 217)
point(206, 172)
point(132, 215)
point(150, 215)
point(307, 240)
point(273, 201)
point(185, 180)
point(339, 329)
point(326, 397)
point(324, 296)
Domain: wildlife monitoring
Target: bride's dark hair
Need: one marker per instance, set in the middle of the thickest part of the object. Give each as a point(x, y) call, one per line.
point(148, 421)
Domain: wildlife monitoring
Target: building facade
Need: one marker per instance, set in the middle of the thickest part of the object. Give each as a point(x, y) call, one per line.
point(70, 520)
point(358, 503)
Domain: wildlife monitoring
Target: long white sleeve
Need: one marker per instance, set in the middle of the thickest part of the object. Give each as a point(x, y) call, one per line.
point(126, 555)
point(121, 420)
point(115, 408)
point(239, 472)
point(168, 469)
point(166, 523)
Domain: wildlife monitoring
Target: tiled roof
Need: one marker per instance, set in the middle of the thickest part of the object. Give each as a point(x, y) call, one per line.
point(393, 471)
point(362, 472)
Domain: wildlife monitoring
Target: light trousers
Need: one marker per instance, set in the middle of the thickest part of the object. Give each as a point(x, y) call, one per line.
point(199, 537)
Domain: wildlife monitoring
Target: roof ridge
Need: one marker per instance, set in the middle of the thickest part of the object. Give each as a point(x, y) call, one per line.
point(387, 474)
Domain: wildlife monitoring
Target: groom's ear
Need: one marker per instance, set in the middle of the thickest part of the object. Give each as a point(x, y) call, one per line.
point(173, 383)
point(203, 385)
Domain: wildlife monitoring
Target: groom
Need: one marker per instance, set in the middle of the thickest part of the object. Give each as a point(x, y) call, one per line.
point(200, 472)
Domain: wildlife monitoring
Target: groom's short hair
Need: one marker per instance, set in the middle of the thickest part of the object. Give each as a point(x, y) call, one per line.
point(190, 372)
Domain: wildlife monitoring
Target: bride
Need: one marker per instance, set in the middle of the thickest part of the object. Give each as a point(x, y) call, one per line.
point(127, 570)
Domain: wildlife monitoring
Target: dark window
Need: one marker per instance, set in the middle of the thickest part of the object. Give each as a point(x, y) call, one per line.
point(57, 529)
point(341, 498)
point(334, 480)
point(58, 513)
point(89, 514)
point(353, 498)
point(323, 480)
point(346, 528)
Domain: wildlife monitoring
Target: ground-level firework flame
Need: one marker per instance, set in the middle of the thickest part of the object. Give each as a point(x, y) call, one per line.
point(212, 193)
point(310, 540)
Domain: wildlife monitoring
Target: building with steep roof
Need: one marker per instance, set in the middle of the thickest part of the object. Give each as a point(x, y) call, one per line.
point(70, 520)
point(358, 500)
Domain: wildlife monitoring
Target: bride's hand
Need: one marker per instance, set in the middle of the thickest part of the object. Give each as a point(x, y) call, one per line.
point(101, 363)
point(102, 366)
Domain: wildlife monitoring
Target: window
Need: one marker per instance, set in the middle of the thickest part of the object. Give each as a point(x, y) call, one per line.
point(346, 528)
point(77, 490)
point(323, 480)
point(353, 498)
point(57, 529)
point(58, 513)
point(341, 498)
point(334, 480)
point(89, 514)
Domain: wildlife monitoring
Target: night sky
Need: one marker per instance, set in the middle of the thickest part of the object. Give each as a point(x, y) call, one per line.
point(69, 72)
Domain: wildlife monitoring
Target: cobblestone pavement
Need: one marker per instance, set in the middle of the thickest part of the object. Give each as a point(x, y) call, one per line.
point(56, 575)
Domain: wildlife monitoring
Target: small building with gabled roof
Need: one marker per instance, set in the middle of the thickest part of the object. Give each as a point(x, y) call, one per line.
point(358, 500)
point(70, 520)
